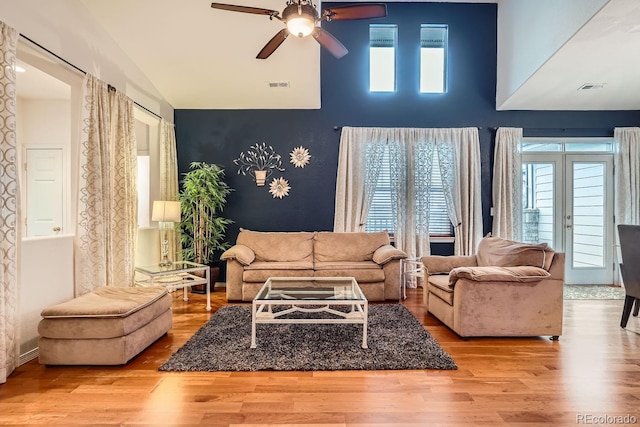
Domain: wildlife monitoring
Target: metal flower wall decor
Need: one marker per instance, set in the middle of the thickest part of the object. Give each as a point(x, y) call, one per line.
point(260, 158)
point(300, 157)
point(279, 188)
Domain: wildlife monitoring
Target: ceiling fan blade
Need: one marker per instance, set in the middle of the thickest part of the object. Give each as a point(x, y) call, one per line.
point(356, 11)
point(330, 43)
point(273, 44)
point(244, 9)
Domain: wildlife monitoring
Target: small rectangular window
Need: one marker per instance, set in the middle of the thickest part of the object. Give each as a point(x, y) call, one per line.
point(433, 58)
point(382, 57)
point(542, 146)
point(550, 144)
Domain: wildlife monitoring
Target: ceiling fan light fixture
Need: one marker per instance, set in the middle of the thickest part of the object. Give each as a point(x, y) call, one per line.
point(300, 26)
point(300, 19)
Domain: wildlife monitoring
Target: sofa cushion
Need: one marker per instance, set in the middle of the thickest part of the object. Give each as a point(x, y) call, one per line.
point(348, 265)
point(439, 285)
point(495, 251)
point(522, 274)
point(278, 246)
point(438, 264)
point(387, 253)
point(363, 271)
point(348, 246)
point(261, 276)
point(361, 276)
point(243, 254)
point(260, 271)
point(288, 265)
point(107, 301)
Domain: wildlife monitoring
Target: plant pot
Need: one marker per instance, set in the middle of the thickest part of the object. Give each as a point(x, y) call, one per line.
point(261, 177)
point(214, 272)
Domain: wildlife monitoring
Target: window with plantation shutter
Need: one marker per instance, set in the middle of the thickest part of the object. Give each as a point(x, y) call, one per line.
point(381, 216)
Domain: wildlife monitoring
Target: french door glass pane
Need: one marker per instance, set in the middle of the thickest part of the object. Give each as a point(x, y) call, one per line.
point(538, 191)
point(588, 215)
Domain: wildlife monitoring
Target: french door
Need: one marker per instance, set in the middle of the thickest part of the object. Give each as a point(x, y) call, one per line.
point(568, 203)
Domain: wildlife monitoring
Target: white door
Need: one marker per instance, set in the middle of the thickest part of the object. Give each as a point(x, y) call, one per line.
point(588, 220)
point(568, 203)
point(44, 192)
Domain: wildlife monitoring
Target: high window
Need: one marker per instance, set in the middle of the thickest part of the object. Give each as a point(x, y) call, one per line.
point(433, 58)
point(382, 57)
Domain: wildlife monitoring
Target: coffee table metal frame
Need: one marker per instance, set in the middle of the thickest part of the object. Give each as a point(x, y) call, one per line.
point(179, 275)
point(310, 295)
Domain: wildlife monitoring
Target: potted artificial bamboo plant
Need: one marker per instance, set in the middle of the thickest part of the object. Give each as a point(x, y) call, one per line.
point(203, 196)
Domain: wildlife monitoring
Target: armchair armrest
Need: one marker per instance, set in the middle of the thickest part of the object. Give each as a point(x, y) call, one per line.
point(241, 253)
point(437, 264)
point(387, 253)
point(519, 274)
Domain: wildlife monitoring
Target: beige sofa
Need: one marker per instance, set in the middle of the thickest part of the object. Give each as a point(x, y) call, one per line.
point(369, 257)
point(507, 289)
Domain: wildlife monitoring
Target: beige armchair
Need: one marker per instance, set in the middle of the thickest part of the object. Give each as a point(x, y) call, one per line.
point(507, 289)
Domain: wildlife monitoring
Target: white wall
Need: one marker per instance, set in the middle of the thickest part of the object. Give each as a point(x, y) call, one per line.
point(66, 28)
point(44, 122)
point(46, 279)
point(530, 32)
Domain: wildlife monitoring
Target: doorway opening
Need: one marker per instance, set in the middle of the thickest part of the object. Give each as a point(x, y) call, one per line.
point(568, 203)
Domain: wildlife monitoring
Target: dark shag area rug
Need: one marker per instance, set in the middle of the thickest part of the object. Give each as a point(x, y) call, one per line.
point(396, 340)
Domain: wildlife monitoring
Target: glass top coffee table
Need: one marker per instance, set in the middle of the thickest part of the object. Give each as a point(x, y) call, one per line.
point(309, 300)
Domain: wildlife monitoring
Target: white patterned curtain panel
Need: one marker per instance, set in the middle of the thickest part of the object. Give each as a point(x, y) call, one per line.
point(9, 206)
point(507, 184)
point(411, 157)
point(626, 161)
point(169, 178)
point(459, 152)
point(107, 196)
point(355, 184)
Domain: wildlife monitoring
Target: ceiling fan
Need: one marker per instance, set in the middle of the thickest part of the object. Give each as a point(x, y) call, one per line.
point(301, 17)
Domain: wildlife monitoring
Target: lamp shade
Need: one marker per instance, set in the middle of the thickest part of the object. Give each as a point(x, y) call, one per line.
point(165, 211)
point(300, 18)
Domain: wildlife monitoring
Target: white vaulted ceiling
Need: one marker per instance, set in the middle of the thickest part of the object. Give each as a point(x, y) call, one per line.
point(201, 58)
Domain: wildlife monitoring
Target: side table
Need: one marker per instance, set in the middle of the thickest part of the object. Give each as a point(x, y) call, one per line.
point(411, 272)
point(178, 275)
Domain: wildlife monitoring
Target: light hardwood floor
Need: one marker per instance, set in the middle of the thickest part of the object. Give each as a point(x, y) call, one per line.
point(593, 371)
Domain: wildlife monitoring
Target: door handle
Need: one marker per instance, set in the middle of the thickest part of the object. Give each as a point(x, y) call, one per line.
point(57, 229)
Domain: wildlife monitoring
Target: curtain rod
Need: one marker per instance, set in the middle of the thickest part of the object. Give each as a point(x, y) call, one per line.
point(555, 129)
point(110, 87)
point(336, 128)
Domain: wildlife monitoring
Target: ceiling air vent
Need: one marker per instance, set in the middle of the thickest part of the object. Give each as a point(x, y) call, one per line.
point(278, 84)
point(591, 86)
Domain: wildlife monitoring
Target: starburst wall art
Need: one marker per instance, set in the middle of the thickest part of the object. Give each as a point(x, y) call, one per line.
point(300, 157)
point(279, 188)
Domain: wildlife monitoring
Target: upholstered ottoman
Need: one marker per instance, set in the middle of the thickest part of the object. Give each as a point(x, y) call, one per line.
point(108, 326)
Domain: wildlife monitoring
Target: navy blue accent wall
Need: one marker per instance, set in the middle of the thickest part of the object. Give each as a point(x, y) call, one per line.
point(218, 136)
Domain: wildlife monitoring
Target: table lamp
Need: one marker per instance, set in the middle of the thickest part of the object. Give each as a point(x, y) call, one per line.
point(166, 213)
